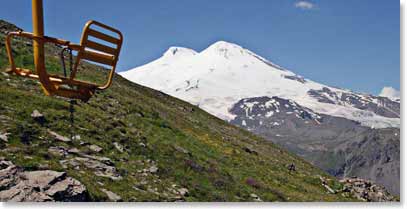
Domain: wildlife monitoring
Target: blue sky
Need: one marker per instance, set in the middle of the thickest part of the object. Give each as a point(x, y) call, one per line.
point(350, 44)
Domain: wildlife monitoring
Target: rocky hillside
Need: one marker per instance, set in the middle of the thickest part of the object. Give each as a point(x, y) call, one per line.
point(132, 143)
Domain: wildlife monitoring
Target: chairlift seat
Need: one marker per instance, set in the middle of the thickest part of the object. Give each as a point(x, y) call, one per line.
point(92, 48)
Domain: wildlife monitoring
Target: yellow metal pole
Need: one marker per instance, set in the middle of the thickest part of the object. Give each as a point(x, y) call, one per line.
point(39, 57)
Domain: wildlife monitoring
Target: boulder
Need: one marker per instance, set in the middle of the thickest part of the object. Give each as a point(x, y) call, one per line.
point(112, 196)
point(74, 151)
point(118, 146)
point(153, 169)
point(255, 197)
point(38, 186)
point(4, 137)
point(95, 148)
point(250, 150)
point(8, 174)
point(38, 117)
point(59, 137)
point(181, 149)
point(101, 166)
point(183, 191)
point(57, 151)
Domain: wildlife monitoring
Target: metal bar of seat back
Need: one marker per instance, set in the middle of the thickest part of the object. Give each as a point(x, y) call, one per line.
point(98, 57)
point(100, 47)
point(103, 36)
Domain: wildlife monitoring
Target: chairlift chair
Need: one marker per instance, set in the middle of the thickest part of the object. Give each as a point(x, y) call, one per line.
point(92, 47)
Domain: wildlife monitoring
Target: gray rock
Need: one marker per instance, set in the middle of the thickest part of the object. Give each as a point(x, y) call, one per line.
point(183, 191)
point(101, 166)
point(58, 137)
point(38, 186)
point(4, 136)
point(104, 160)
point(295, 78)
point(118, 146)
point(256, 197)
point(58, 151)
point(153, 169)
point(8, 174)
point(366, 190)
point(73, 151)
point(68, 187)
point(37, 116)
point(181, 149)
point(250, 150)
point(112, 196)
point(42, 179)
point(327, 187)
point(95, 148)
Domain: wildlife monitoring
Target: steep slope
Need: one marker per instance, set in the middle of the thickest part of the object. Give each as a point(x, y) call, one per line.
point(316, 121)
point(133, 143)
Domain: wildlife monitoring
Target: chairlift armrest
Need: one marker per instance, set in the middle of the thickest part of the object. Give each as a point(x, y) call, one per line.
point(75, 47)
point(62, 42)
point(56, 41)
point(44, 38)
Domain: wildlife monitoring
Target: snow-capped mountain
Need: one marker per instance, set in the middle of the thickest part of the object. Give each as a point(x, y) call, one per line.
point(224, 73)
point(342, 132)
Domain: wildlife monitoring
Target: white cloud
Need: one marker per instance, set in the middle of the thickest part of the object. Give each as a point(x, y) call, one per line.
point(305, 5)
point(390, 93)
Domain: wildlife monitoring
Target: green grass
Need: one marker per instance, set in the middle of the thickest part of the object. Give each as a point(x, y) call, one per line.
point(214, 166)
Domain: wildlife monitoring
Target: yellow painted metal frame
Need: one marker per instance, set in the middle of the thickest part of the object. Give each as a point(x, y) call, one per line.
point(87, 50)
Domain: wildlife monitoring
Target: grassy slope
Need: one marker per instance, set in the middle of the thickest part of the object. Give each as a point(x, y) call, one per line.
point(217, 167)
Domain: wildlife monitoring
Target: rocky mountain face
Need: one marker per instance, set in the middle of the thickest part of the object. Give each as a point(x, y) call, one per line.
point(378, 105)
point(343, 132)
point(132, 143)
point(340, 146)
